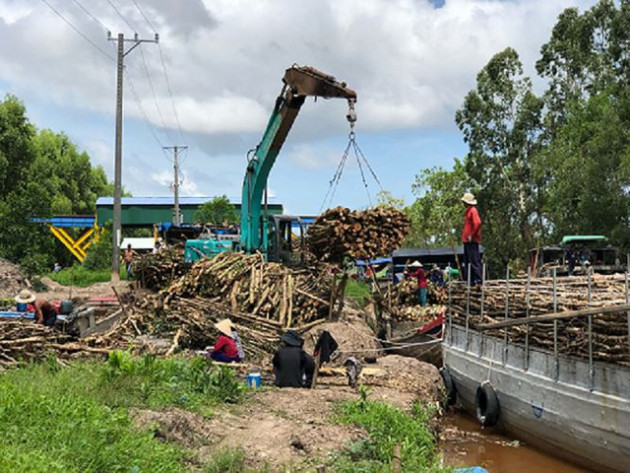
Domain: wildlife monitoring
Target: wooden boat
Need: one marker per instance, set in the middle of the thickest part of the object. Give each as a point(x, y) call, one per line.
point(423, 343)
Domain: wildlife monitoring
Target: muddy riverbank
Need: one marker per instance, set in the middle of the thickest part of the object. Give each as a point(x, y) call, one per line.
point(464, 443)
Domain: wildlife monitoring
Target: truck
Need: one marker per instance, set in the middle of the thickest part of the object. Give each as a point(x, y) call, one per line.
point(279, 237)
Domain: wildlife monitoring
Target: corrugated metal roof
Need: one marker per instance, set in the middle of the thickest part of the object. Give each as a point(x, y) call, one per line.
point(109, 201)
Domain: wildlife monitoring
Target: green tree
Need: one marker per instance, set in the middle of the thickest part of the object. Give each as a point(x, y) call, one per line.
point(437, 213)
point(217, 211)
point(501, 123)
point(386, 199)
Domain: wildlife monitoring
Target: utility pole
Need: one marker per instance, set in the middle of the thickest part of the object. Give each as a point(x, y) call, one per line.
point(116, 230)
point(177, 216)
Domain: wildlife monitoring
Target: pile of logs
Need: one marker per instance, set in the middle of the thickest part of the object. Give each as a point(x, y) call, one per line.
point(341, 233)
point(262, 299)
point(402, 301)
point(610, 331)
point(23, 340)
point(158, 270)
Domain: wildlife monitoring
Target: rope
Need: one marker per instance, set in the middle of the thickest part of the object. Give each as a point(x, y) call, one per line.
point(337, 176)
point(407, 345)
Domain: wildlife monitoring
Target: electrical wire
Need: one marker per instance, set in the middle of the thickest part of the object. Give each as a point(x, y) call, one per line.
point(170, 93)
point(90, 15)
point(78, 31)
point(144, 16)
point(121, 15)
point(157, 104)
point(141, 108)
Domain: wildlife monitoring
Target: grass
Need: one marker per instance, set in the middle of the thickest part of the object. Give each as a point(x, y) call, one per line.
point(386, 427)
point(358, 291)
point(76, 419)
point(80, 276)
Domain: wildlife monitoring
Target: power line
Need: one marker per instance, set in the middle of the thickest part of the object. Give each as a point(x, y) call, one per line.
point(78, 31)
point(157, 105)
point(170, 92)
point(141, 108)
point(90, 15)
point(143, 15)
point(121, 15)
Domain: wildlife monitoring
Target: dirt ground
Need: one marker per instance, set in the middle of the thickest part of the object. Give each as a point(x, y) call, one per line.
point(81, 294)
point(293, 427)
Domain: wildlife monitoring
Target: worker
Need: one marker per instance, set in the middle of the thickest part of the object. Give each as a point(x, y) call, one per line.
point(292, 366)
point(45, 313)
point(471, 238)
point(225, 349)
point(418, 273)
point(128, 259)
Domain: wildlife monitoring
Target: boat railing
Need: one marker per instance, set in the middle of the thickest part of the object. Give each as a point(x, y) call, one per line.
point(554, 316)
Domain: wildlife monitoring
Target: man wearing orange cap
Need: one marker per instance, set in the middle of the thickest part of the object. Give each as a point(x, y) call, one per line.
point(471, 238)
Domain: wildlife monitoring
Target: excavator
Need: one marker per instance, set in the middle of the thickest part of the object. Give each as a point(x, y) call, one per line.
point(273, 235)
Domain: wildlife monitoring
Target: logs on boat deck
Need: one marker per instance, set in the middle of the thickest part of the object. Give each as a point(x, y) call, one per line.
point(24, 340)
point(158, 270)
point(249, 284)
point(610, 331)
point(339, 233)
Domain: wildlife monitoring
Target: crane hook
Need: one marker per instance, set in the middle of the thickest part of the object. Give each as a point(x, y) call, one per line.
point(352, 114)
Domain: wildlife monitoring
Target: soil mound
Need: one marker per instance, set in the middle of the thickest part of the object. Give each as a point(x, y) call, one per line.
point(12, 279)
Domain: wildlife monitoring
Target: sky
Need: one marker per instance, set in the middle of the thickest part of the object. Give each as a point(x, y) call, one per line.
point(211, 82)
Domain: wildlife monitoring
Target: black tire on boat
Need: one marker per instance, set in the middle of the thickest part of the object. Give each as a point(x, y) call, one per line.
point(487, 405)
point(449, 384)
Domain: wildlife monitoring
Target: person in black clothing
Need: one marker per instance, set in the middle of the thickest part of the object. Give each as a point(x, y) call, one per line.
point(292, 366)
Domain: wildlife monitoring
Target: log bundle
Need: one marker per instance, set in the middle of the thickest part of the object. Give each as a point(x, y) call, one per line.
point(609, 331)
point(262, 299)
point(24, 340)
point(403, 304)
point(340, 233)
point(158, 270)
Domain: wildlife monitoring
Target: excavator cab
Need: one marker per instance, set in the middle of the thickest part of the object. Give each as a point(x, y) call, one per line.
point(286, 239)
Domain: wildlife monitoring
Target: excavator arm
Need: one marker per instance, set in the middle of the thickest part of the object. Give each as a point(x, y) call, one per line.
point(299, 83)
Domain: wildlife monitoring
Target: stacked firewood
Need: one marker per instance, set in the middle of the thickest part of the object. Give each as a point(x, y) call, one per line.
point(403, 304)
point(340, 233)
point(250, 284)
point(157, 270)
point(262, 299)
point(24, 340)
point(610, 331)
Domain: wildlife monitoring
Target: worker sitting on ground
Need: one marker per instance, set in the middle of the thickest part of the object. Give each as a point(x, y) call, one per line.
point(226, 349)
point(45, 313)
point(292, 366)
point(418, 273)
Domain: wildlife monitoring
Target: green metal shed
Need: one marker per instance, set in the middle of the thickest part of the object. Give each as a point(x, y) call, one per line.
point(142, 212)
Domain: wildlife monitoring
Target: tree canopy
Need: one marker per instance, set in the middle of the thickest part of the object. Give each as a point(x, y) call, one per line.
point(217, 211)
point(42, 174)
point(542, 165)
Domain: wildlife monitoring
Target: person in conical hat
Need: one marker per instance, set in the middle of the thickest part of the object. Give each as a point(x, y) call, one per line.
point(419, 274)
point(45, 313)
point(471, 238)
point(225, 349)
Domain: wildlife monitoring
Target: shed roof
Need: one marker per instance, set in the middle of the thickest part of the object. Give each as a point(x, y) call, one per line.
point(162, 201)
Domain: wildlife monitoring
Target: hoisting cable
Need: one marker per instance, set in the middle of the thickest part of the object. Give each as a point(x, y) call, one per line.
point(336, 177)
point(365, 184)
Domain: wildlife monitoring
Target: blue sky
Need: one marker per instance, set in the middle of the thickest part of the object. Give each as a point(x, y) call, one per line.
point(410, 61)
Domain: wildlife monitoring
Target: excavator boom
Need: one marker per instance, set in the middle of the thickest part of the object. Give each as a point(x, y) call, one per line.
point(299, 83)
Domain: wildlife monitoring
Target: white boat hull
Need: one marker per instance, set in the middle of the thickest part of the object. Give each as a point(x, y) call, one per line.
point(556, 405)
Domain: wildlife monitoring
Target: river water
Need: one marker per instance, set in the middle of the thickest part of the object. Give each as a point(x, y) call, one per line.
point(464, 443)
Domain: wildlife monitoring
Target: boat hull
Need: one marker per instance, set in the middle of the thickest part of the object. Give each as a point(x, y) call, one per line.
point(554, 404)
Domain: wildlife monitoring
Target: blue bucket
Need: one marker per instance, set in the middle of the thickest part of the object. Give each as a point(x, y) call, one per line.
point(253, 380)
point(21, 307)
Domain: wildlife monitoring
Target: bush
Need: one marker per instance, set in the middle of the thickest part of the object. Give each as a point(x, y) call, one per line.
point(99, 254)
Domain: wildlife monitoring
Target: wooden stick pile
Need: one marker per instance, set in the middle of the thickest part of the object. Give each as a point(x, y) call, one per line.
point(262, 299)
point(341, 233)
point(158, 270)
point(249, 284)
point(23, 340)
point(610, 331)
